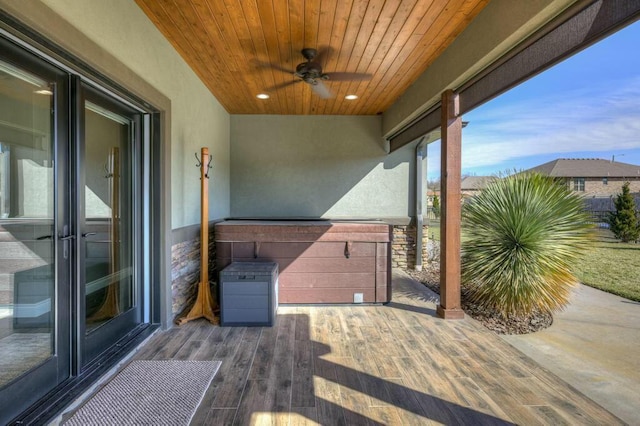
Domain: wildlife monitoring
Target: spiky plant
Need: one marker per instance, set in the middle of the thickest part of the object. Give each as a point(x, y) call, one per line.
point(523, 234)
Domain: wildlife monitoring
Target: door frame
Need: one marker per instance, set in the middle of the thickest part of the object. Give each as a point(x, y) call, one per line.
point(157, 215)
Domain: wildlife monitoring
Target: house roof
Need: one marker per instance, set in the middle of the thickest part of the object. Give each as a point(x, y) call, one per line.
point(587, 167)
point(470, 183)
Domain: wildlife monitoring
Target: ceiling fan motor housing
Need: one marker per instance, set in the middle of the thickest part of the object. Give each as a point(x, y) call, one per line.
point(309, 71)
point(309, 53)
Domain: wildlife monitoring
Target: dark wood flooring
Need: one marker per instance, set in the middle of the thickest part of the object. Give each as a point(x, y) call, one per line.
point(396, 364)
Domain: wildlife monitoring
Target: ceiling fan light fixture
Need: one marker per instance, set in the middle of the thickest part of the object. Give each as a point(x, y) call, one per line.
point(351, 97)
point(262, 96)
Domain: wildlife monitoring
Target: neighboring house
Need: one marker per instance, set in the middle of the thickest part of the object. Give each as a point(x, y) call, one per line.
point(593, 177)
point(469, 186)
point(431, 194)
point(472, 185)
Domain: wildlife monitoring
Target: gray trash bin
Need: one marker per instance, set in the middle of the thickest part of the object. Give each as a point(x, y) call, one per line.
point(249, 294)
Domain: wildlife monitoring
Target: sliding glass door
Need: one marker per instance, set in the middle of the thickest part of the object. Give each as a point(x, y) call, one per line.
point(108, 189)
point(35, 239)
point(71, 226)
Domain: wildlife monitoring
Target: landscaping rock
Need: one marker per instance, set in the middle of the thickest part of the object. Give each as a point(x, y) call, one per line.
point(430, 277)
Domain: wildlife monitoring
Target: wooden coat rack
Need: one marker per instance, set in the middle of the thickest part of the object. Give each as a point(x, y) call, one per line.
point(110, 308)
point(204, 306)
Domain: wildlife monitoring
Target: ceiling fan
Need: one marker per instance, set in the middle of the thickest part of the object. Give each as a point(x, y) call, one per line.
point(311, 73)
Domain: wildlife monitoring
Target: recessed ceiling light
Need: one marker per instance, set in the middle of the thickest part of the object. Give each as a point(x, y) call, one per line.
point(351, 97)
point(44, 92)
point(262, 96)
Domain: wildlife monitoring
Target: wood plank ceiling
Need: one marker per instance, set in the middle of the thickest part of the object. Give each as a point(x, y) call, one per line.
point(240, 48)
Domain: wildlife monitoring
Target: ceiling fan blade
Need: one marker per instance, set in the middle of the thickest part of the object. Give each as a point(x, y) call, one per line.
point(323, 55)
point(348, 76)
point(321, 90)
point(281, 85)
point(262, 65)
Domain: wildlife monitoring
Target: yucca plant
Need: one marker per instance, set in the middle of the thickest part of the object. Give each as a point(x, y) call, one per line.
point(523, 234)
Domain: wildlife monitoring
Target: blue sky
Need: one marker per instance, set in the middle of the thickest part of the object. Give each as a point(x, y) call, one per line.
point(585, 107)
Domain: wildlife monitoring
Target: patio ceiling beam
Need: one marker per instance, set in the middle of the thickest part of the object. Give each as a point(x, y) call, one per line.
point(450, 170)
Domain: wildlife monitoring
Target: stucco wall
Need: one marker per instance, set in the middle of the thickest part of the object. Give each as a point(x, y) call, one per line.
point(197, 118)
point(332, 166)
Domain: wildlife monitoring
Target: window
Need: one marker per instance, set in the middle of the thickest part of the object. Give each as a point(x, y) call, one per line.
point(605, 181)
point(578, 184)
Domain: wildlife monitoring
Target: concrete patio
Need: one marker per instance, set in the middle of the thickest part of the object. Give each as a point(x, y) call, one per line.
point(593, 346)
point(392, 364)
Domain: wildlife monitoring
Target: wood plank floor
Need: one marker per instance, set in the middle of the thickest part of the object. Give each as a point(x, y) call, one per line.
point(371, 365)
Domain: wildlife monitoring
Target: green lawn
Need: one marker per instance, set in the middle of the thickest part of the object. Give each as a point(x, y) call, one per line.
point(612, 266)
point(608, 265)
point(434, 229)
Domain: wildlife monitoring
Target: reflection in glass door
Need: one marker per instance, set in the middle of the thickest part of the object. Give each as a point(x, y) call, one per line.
point(34, 252)
point(111, 296)
point(27, 261)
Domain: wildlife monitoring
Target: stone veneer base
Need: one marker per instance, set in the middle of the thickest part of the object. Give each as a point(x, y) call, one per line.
point(185, 267)
point(403, 247)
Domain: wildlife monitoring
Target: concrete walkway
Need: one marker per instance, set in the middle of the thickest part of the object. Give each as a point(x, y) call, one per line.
point(594, 345)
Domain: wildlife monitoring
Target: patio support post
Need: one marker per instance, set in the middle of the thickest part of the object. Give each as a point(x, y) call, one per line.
point(451, 169)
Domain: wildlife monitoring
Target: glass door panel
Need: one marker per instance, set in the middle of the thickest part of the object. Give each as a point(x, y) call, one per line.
point(27, 251)
point(108, 245)
point(34, 279)
point(108, 242)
